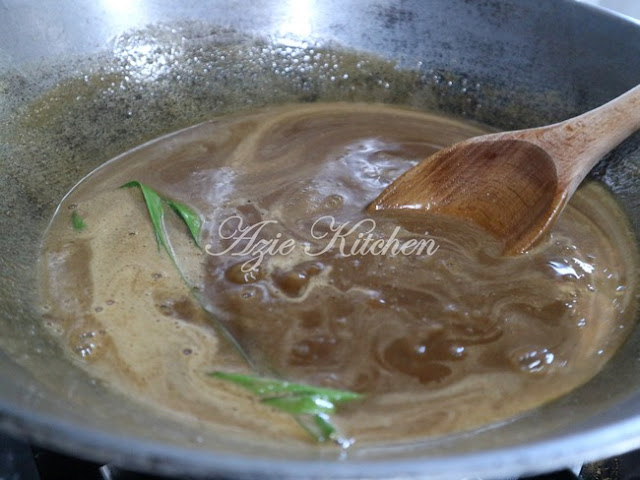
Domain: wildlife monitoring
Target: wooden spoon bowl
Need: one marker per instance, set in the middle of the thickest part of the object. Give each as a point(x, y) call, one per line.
point(514, 184)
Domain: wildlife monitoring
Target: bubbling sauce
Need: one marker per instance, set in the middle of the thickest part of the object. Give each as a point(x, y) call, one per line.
point(447, 339)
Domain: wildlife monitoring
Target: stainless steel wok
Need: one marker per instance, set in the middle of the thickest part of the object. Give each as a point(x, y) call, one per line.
point(81, 81)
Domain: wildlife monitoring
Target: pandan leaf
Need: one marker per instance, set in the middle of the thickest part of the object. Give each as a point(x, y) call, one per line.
point(155, 207)
point(77, 222)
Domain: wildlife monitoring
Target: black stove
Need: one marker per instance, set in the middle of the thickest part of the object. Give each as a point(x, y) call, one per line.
point(21, 461)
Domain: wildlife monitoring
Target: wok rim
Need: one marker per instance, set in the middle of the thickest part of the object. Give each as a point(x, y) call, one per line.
point(130, 453)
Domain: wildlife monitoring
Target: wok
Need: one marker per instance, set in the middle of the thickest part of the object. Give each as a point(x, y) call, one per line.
point(81, 81)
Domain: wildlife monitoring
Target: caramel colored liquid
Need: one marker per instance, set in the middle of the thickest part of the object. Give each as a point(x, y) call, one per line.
point(450, 339)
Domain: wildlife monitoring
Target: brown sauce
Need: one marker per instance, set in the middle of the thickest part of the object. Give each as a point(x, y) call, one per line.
point(448, 339)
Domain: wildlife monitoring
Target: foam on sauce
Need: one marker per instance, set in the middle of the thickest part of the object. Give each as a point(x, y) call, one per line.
point(439, 343)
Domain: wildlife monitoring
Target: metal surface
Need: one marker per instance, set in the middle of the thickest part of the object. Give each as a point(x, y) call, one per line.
point(83, 81)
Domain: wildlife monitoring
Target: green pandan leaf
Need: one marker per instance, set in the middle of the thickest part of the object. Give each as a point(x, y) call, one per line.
point(190, 217)
point(311, 406)
point(268, 387)
point(325, 430)
point(155, 207)
point(77, 222)
point(301, 404)
point(320, 427)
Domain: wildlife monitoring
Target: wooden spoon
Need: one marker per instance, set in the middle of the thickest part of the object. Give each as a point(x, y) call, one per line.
point(514, 184)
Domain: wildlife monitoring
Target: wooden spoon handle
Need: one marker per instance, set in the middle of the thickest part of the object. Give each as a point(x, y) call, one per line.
point(579, 143)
